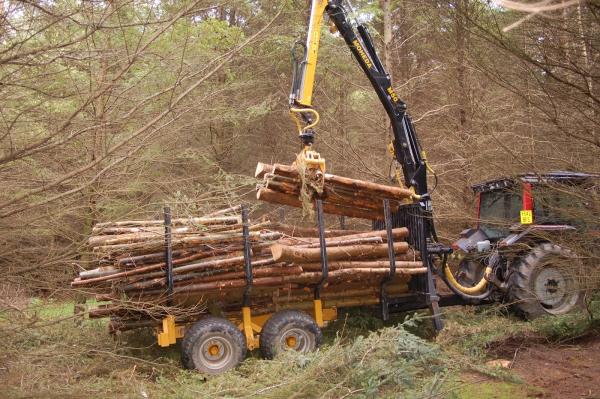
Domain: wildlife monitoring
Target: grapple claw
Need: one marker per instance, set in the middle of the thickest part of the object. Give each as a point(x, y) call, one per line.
point(312, 160)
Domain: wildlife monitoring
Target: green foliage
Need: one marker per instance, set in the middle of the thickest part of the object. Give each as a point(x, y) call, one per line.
point(570, 326)
point(382, 363)
point(355, 361)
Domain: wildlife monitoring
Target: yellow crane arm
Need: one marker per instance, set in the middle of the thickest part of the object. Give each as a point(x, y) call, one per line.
point(302, 89)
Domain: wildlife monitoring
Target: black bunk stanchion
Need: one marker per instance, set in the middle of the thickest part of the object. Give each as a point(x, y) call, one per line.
point(383, 299)
point(248, 326)
point(431, 297)
point(168, 254)
point(318, 305)
point(417, 220)
point(247, 260)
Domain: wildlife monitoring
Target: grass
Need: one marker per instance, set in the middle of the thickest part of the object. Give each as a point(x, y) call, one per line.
point(490, 390)
point(45, 354)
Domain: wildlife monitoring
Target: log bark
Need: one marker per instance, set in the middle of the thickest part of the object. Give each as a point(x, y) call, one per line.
point(159, 229)
point(155, 245)
point(264, 194)
point(258, 272)
point(232, 209)
point(338, 197)
point(284, 253)
point(297, 231)
point(343, 243)
point(354, 184)
point(238, 260)
point(174, 222)
point(398, 233)
point(304, 278)
point(402, 267)
point(158, 278)
point(331, 193)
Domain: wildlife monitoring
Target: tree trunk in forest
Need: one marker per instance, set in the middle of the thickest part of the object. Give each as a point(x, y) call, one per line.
point(464, 106)
point(387, 55)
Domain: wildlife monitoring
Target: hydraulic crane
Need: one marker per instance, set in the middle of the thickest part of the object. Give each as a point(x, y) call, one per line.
point(406, 147)
point(411, 161)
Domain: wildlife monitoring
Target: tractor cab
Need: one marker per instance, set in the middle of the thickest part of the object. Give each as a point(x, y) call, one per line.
point(550, 201)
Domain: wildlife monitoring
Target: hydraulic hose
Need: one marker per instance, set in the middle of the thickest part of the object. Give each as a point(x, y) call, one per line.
point(476, 292)
point(477, 288)
point(300, 111)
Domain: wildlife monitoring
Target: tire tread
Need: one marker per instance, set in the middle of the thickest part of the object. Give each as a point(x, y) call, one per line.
point(271, 329)
point(520, 278)
point(207, 325)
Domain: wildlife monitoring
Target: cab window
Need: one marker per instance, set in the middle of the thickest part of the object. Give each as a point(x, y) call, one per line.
point(498, 210)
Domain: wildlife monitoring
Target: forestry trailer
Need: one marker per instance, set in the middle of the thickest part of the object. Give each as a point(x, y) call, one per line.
point(280, 299)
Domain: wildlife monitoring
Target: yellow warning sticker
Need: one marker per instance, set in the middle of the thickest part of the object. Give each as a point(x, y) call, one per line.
point(526, 217)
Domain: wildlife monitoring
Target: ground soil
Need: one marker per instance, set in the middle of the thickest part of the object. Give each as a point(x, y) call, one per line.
point(565, 371)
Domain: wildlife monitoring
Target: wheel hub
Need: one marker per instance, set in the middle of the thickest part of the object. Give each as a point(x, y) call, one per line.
point(215, 352)
point(296, 339)
point(550, 286)
point(291, 341)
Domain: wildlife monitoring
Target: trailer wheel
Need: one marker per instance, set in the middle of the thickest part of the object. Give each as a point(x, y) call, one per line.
point(289, 330)
point(212, 345)
point(546, 282)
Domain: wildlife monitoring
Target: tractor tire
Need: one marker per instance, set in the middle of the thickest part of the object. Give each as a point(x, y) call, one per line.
point(546, 282)
point(213, 345)
point(289, 330)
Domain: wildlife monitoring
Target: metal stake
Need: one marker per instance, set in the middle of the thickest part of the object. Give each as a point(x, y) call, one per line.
point(387, 216)
point(169, 254)
point(247, 259)
point(324, 265)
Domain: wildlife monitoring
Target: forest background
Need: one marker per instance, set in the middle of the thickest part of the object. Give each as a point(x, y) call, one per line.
point(111, 109)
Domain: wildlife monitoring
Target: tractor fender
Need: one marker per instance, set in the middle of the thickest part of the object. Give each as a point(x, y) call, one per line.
point(517, 237)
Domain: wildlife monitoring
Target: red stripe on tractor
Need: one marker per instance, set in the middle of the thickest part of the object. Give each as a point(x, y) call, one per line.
point(478, 210)
point(527, 197)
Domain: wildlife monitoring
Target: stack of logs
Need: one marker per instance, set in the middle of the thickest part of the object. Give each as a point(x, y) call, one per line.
point(341, 195)
point(208, 267)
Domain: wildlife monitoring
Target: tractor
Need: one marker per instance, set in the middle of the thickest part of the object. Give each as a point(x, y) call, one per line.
point(521, 249)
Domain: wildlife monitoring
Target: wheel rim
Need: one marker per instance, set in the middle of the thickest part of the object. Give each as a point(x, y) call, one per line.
point(297, 339)
point(555, 289)
point(215, 352)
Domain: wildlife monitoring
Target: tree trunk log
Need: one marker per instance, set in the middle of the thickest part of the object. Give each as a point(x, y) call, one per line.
point(264, 194)
point(380, 189)
point(297, 231)
point(174, 222)
point(284, 253)
point(402, 267)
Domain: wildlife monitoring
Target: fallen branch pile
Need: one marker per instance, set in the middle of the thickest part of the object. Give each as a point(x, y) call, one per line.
point(208, 267)
point(341, 195)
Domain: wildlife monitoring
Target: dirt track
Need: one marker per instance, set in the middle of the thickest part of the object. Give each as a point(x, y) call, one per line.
point(565, 371)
